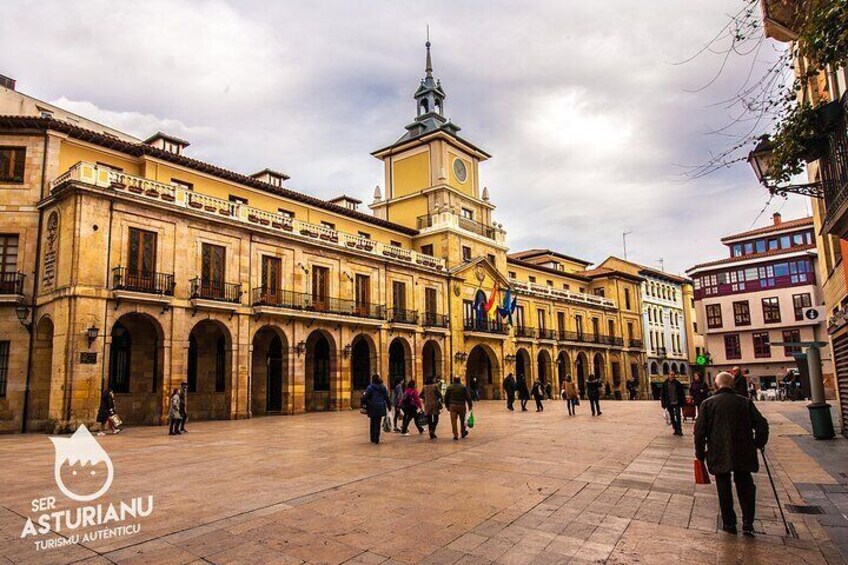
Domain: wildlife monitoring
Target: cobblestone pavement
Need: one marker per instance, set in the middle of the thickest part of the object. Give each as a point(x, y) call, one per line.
point(523, 488)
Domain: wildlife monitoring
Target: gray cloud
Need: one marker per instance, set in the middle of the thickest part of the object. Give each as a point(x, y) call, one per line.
point(580, 104)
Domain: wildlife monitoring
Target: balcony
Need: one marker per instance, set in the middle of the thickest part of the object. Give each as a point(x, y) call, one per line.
point(161, 284)
point(636, 343)
point(484, 326)
point(215, 290)
point(547, 334)
point(433, 320)
point(179, 198)
point(551, 293)
point(279, 298)
point(525, 332)
point(833, 170)
point(401, 316)
point(12, 284)
point(450, 220)
point(571, 336)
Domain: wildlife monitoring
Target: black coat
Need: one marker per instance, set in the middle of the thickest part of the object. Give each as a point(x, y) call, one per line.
point(593, 389)
point(672, 390)
point(377, 400)
point(699, 392)
point(728, 432)
point(523, 391)
point(740, 385)
point(509, 385)
point(106, 409)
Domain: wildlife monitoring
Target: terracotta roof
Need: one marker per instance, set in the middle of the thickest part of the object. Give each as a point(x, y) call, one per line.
point(651, 271)
point(743, 258)
point(789, 224)
point(140, 149)
point(529, 265)
point(530, 253)
point(167, 137)
point(606, 272)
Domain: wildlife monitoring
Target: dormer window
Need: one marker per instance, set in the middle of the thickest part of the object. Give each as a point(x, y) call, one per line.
point(167, 143)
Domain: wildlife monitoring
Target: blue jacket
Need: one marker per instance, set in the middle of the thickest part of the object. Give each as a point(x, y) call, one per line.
point(377, 398)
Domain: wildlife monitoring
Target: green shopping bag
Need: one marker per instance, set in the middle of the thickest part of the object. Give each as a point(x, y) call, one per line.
point(470, 422)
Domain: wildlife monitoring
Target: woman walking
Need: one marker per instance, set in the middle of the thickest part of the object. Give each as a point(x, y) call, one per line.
point(411, 404)
point(523, 392)
point(593, 391)
point(699, 391)
point(376, 402)
point(433, 401)
point(106, 411)
point(174, 418)
point(539, 395)
point(569, 394)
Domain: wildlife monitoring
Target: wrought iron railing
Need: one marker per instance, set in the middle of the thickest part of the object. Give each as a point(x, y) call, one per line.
point(485, 326)
point(637, 343)
point(12, 283)
point(545, 333)
point(833, 165)
point(304, 301)
point(525, 332)
point(433, 320)
point(143, 281)
point(572, 336)
point(402, 316)
point(215, 290)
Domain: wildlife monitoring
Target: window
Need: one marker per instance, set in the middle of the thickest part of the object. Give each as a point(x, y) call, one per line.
point(798, 239)
point(599, 292)
point(329, 225)
point(181, 184)
point(596, 327)
point(627, 299)
point(12, 160)
point(566, 286)
point(468, 312)
point(540, 316)
point(578, 324)
point(8, 254)
point(773, 244)
point(771, 310)
point(398, 296)
point(784, 242)
point(212, 271)
point(761, 245)
point(362, 293)
point(366, 235)
point(532, 279)
point(713, 316)
point(430, 302)
point(742, 313)
point(748, 247)
point(629, 330)
point(801, 301)
point(611, 327)
point(512, 274)
point(561, 322)
point(709, 284)
point(427, 249)
point(4, 367)
point(491, 258)
point(271, 271)
point(732, 349)
point(467, 214)
point(286, 213)
point(237, 199)
point(736, 250)
point(320, 287)
point(466, 253)
point(762, 347)
point(791, 336)
point(141, 259)
point(394, 243)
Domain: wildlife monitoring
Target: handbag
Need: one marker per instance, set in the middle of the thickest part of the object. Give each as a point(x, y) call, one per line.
point(421, 419)
point(386, 426)
point(115, 420)
point(701, 475)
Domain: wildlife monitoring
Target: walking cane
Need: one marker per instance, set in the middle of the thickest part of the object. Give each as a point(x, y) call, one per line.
point(774, 488)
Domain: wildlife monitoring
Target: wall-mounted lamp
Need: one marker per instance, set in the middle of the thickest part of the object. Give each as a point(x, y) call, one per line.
point(347, 349)
point(22, 312)
point(300, 348)
point(303, 268)
point(93, 333)
point(460, 356)
point(509, 358)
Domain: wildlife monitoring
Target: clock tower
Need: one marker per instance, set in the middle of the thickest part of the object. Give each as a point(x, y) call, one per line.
point(432, 185)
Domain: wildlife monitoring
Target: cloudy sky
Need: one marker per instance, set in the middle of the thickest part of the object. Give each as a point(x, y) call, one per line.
point(588, 116)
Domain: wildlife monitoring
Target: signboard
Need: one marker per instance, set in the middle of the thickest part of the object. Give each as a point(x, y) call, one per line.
point(812, 314)
point(701, 360)
point(88, 358)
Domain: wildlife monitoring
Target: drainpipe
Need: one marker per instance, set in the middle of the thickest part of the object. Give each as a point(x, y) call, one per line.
point(37, 272)
point(103, 359)
point(450, 333)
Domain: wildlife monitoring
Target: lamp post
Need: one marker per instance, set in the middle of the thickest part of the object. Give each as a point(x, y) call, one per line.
point(760, 160)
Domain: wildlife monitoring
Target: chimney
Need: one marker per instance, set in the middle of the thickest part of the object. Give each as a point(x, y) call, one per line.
point(777, 218)
point(6, 82)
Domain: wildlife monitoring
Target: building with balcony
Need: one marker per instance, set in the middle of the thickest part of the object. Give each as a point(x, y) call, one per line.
point(128, 264)
point(759, 295)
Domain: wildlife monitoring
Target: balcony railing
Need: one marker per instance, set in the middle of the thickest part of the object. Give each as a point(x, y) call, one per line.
point(525, 332)
point(545, 333)
point(215, 290)
point(636, 343)
point(403, 316)
point(449, 219)
point(581, 337)
point(433, 320)
point(552, 293)
point(141, 281)
point(307, 302)
point(485, 326)
point(179, 197)
point(12, 283)
point(571, 336)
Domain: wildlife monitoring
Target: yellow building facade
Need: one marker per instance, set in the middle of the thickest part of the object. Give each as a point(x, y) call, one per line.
point(129, 265)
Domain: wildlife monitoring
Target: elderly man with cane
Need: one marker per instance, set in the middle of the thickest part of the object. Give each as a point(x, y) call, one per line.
point(728, 432)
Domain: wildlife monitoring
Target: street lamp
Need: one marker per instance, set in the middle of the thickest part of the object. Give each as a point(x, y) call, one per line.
point(93, 333)
point(347, 349)
point(300, 348)
point(22, 312)
point(461, 356)
point(761, 159)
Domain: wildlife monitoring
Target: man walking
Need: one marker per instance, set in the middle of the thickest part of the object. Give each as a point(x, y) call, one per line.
point(593, 391)
point(672, 398)
point(397, 396)
point(457, 398)
point(183, 406)
point(633, 388)
point(728, 432)
point(740, 383)
point(509, 388)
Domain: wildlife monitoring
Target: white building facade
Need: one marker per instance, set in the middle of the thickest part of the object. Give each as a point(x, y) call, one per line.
point(664, 324)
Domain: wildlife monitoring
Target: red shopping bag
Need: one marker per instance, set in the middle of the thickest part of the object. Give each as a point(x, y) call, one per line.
point(701, 475)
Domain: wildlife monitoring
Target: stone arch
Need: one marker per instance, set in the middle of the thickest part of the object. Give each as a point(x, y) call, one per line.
point(563, 367)
point(482, 364)
point(209, 370)
point(598, 366)
point(523, 365)
point(654, 368)
point(400, 361)
point(136, 368)
point(38, 409)
point(665, 368)
point(431, 359)
point(683, 368)
point(320, 370)
point(544, 371)
point(269, 383)
point(363, 364)
point(674, 367)
point(581, 367)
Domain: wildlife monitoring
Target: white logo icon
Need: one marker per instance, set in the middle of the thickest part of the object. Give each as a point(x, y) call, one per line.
point(81, 448)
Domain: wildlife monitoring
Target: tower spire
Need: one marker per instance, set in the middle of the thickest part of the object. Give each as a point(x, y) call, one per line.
point(429, 69)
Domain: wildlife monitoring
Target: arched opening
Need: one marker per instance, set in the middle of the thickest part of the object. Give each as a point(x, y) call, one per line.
point(400, 361)
point(598, 366)
point(320, 368)
point(209, 371)
point(522, 366)
point(42, 375)
point(580, 366)
point(654, 368)
point(269, 391)
point(674, 368)
point(563, 366)
point(665, 368)
point(431, 362)
point(543, 366)
point(362, 352)
point(136, 368)
point(483, 366)
point(683, 368)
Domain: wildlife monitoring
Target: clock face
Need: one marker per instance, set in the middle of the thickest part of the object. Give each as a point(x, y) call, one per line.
point(459, 170)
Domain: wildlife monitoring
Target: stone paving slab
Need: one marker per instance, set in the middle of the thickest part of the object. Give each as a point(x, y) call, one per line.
point(523, 488)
